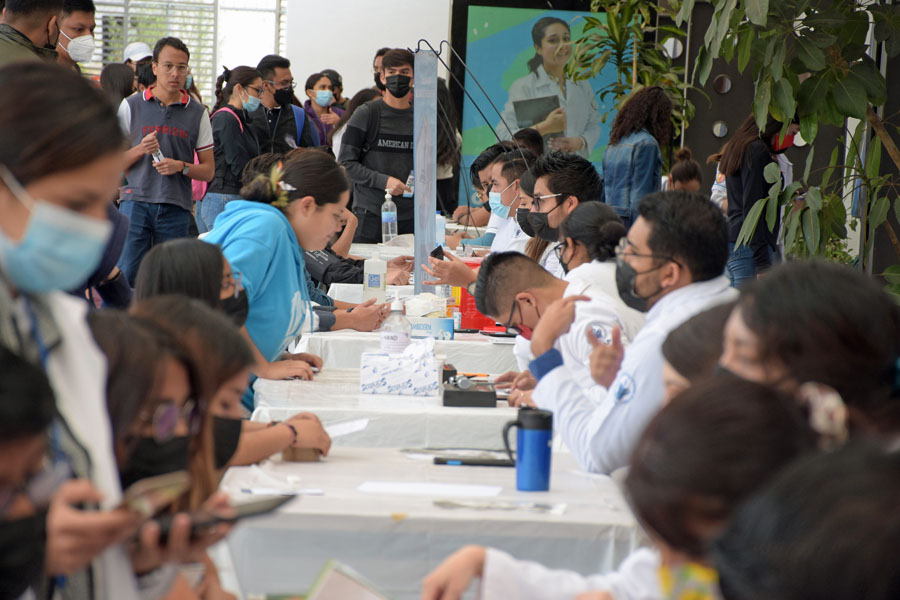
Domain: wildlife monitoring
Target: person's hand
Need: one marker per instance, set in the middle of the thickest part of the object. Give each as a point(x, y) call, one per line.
point(311, 359)
point(459, 213)
point(555, 322)
point(402, 262)
point(449, 272)
point(555, 122)
point(515, 380)
point(520, 398)
point(505, 381)
point(75, 537)
point(310, 434)
point(169, 166)
point(147, 553)
point(396, 187)
point(330, 118)
point(397, 277)
point(595, 596)
point(210, 587)
point(286, 369)
point(453, 239)
point(606, 358)
point(368, 316)
point(149, 144)
point(451, 579)
point(566, 144)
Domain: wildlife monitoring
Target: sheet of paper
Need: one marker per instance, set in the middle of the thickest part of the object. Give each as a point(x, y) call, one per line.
point(264, 491)
point(440, 490)
point(339, 582)
point(346, 428)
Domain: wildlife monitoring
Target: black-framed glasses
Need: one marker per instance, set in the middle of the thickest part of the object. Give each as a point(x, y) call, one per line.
point(539, 199)
point(282, 85)
point(622, 246)
point(519, 329)
point(258, 90)
point(166, 416)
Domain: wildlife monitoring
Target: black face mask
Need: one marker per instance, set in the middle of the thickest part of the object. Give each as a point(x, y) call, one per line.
point(540, 223)
point(625, 278)
point(524, 223)
point(284, 96)
point(378, 83)
point(151, 458)
point(237, 308)
point(226, 433)
point(398, 85)
point(562, 263)
point(23, 543)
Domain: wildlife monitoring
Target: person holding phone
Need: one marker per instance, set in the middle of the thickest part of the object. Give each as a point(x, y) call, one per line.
point(575, 126)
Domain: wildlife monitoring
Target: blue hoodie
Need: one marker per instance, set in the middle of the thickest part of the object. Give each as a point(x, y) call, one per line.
point(258, 241)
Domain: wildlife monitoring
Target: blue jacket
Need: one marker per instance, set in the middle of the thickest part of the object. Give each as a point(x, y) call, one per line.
point(631, 170)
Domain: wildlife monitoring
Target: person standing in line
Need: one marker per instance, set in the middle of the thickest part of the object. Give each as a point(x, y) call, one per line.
point(165, 128)
point(29, 30)
point(282, 125)
point(337, 86)
point(319, 106)
point(76, 28)
point(377, 150)
point(376, 68)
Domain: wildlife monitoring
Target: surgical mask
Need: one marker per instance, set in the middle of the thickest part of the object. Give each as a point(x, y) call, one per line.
point(151, 458)
point(781, 144)
point(80, 49)
point(625, 279)
point(497, 206)
point(378, 83)
point(540, 223)
point(60, 249)
point(398, 85)
point(284, 96)
point(189, 82)
point(251, 103)
point(23, 544)
point(689, 580)
point(324, 97)
point(237, 308)
point(226, 434)
point(524, 223)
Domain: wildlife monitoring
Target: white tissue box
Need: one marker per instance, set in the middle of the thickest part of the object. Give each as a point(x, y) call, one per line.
point(416, 372)
point(439, 328)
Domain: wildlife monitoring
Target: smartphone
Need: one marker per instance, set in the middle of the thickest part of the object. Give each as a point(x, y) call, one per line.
point(438, 252)
point(149, 496)
point(202, 521)
point(499, 334)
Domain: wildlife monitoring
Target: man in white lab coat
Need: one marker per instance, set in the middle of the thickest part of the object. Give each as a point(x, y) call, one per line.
point(670, 264)
point(516, 290)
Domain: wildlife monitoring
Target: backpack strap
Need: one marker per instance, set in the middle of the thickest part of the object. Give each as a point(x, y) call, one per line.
point(300, 122)
point(373, 122)
point(234, 114)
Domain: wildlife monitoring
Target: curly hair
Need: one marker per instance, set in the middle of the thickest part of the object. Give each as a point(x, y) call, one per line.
point(648, 108)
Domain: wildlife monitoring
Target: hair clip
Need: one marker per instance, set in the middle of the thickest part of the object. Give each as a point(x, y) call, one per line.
point(827, 413)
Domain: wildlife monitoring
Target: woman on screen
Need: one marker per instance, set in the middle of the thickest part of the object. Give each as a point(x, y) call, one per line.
point(568, 113)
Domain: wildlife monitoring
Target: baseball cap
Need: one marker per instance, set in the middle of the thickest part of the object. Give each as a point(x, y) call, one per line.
point(334, 76)
point(135, 51)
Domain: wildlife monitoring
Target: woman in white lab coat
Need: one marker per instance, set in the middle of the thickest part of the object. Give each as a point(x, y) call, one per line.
point(578, 117)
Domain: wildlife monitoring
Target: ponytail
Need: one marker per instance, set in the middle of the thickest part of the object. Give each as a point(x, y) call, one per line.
point(685, 168)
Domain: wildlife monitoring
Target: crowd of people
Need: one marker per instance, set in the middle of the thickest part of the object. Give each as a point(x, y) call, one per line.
point(157, 255)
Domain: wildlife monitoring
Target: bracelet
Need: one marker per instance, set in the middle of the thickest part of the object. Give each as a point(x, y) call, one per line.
point(294, 430)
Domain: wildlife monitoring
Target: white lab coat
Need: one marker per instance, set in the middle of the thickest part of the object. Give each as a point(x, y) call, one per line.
point(551, 263)
point(583, 117)
point(509, 237)
point(602, 437)
point(603, 276)
point(505, 577)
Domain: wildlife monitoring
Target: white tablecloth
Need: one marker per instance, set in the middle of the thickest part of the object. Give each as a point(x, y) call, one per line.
point(469, 352)
point(395, 540)
point(394, 421)
point(353, 292)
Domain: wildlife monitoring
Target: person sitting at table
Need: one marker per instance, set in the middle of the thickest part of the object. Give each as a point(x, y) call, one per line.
point(694, 464)
point(671, 264)
point(504, 197)
point(516, 291)
point(480, 215)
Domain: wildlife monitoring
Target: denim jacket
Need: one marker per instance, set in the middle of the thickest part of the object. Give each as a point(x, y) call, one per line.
point(631, 170)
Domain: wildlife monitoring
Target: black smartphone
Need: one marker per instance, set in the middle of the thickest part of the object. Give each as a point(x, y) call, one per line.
point(438, 252)
point(499, 334)
point(201, 521)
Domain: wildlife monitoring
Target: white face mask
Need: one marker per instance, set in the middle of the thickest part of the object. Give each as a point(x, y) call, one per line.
point(80, 49)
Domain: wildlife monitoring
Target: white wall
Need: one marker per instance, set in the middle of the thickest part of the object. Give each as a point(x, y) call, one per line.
point(344, 35)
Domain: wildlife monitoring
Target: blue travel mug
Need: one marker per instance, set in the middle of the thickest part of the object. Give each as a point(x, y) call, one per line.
point(533, 447)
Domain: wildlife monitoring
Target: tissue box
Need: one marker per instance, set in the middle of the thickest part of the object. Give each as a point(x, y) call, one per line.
point(416, 372)
point(439, 328)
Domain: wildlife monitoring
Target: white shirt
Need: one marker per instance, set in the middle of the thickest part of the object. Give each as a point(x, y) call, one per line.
point(583, 118)
point(603, 276)
point(602, 437)
point(551, 263)
point(505, 577)
point(509, 237)
point(494, 224)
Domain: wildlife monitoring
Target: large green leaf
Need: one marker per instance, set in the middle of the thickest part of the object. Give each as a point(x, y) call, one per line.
point(814, 199)
point(811, 232)
point(784, 99)
point(790, 229)
point(761, 102)
point(776, 66)
point(772, 207)
point(703, 65)
point(829, 170)
point(772, 173)
point(809, 128)
point(684, 13)
point(810, 55)
point(757, 11)
point(870, 77)
point(873, 160)
point(750, 222)
point(813, 92)
point(745, 43)
point(723, 26)
point(878, 213)
point(850, 97)
point(892, 274)
point(809, 157)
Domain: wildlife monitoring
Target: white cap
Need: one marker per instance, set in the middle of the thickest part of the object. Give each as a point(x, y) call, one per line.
point(135, 51)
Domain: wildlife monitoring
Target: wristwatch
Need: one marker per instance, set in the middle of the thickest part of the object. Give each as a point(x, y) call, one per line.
point(184, 171)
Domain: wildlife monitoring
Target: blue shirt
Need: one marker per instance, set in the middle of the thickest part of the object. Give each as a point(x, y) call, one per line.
point(631, 170)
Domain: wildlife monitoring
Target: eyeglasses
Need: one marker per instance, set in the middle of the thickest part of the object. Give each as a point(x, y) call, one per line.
point(255, 89)
point(539, 199)
point(623, 246)
point(231, 284)
point(166, 416)
point(281, 85)
point(558, 250)
point(168, 67)
point(38, 487)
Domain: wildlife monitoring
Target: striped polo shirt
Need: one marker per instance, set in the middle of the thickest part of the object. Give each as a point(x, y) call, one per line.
point(181, 129)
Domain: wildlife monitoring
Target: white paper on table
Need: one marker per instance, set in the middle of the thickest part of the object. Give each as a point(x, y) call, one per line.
point(264, 491)
point(503, 341)
point(443, 490)
point(346, 428)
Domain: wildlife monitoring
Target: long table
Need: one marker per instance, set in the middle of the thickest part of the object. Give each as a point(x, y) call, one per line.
point(396, 538)
point(392, 421)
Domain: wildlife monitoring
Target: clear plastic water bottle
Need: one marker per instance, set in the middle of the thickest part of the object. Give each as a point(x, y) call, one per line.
point(388, 218)
point(396, 330)
point(440, 229)
point(374, 279)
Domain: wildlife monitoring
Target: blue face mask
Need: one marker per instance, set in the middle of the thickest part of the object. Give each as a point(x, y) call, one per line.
point(497, 206)
point(60, 248)
point(189, 82)
point(251, 103)
point(324, 97)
